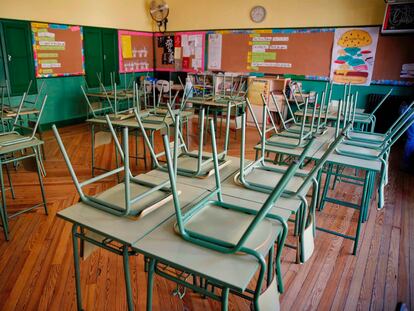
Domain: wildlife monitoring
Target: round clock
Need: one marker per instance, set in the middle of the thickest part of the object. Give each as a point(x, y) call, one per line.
point(258, 14)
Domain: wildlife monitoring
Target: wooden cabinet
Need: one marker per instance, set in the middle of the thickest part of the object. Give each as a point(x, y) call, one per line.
point(265, 85)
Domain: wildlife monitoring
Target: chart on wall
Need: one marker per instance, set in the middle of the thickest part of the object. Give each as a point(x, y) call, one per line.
point(353, 55)
point(264, 49)
point(183, 51)
point(135, 51)
point(58, 50)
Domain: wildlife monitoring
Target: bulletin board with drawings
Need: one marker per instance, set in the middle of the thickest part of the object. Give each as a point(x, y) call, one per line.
point(136, 51)
point(180, 51)
point(57, 50)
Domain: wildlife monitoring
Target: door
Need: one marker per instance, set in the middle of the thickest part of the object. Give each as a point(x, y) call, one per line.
point(110, 54)
point(92, 48)
point(19, 56)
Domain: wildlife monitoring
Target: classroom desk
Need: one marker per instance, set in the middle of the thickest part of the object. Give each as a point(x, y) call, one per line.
point(370, 167)
point(13, 150)
point(123, 230)
point(120, 95)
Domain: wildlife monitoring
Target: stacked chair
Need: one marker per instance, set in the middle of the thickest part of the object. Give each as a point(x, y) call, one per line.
point(229, 232)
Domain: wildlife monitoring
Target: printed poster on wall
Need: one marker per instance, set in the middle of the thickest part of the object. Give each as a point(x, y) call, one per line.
point(215, 42)
point(353, 55)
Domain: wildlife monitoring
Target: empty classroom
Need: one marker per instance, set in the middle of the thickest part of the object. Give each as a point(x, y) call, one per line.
point(207, 155)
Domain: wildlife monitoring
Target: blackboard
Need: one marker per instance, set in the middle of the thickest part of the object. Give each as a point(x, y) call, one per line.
point(399, 17)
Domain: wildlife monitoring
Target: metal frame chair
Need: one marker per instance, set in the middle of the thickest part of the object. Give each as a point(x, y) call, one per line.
point(247, 242)
point(118, 201)
point(185, 155)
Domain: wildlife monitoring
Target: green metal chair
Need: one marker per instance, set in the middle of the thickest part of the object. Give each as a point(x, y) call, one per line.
point(382, 151)
point(261, 176)
point(248, 235)
point(287, 138)
point(190, 163)
point(133, 197)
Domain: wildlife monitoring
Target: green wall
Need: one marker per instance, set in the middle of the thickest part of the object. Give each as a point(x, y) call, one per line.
point(65, 103)
point(363, 91)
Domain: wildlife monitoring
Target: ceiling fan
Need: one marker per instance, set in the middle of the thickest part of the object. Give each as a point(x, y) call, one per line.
point(159, 12)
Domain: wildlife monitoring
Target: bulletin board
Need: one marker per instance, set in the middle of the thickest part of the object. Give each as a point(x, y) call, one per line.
point(180, 51)
point(392, 53)
point(57, 50)
point(302, 53)
point(136, 53)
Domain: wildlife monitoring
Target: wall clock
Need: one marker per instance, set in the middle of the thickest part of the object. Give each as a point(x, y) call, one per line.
point(258, 14)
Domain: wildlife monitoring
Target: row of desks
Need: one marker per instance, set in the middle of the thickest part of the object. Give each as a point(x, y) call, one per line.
point(153, 234)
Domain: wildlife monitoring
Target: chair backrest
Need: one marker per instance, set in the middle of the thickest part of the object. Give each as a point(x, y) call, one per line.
point(381, 102)
point(163, 86)
point(260, 215)
point(98, 109)
point(123, 208)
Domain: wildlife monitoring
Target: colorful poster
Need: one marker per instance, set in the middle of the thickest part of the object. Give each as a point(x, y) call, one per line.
point(353, 55)
point(57, 50)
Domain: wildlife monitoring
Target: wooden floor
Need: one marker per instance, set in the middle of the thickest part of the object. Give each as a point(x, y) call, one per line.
point(36, 266)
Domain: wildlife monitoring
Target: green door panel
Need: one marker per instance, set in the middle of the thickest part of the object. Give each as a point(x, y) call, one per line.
point(92, 47)
point(19, 56)
point(110, 51)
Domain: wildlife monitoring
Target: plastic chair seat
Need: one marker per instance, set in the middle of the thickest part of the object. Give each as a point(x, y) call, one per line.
point(228, 226)
point(116, 196)
point(359, 150)
point(375, 137)
point(270, 179)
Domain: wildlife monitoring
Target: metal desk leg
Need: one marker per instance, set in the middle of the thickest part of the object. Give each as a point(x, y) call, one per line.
point(93, 148)
point(77, 268)
point(225, 299)
point(3, 203)
point(152, 133)
point(39, 175)
point(150, 283)
point(127, 277)
point(364, 206)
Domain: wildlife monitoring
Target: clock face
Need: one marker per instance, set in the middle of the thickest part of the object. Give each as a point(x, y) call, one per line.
point(258, 14)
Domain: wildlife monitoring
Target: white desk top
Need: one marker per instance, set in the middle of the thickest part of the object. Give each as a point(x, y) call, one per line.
point(123, 229)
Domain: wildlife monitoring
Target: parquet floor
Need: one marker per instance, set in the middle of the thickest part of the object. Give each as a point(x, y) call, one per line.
point(36, 266)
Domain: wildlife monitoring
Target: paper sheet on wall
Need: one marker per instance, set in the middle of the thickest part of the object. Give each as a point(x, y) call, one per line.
point(126, 45)
point(196, 63)
point(353, 55)
point(214, 51)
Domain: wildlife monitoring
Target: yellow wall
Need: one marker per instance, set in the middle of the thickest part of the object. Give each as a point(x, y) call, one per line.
point(121, 14)
point(230, 14)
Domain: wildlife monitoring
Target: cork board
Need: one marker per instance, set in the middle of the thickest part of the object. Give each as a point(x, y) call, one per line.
point(136, 52)
point(57, 50)
point(392, 52)
point(298, 53)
